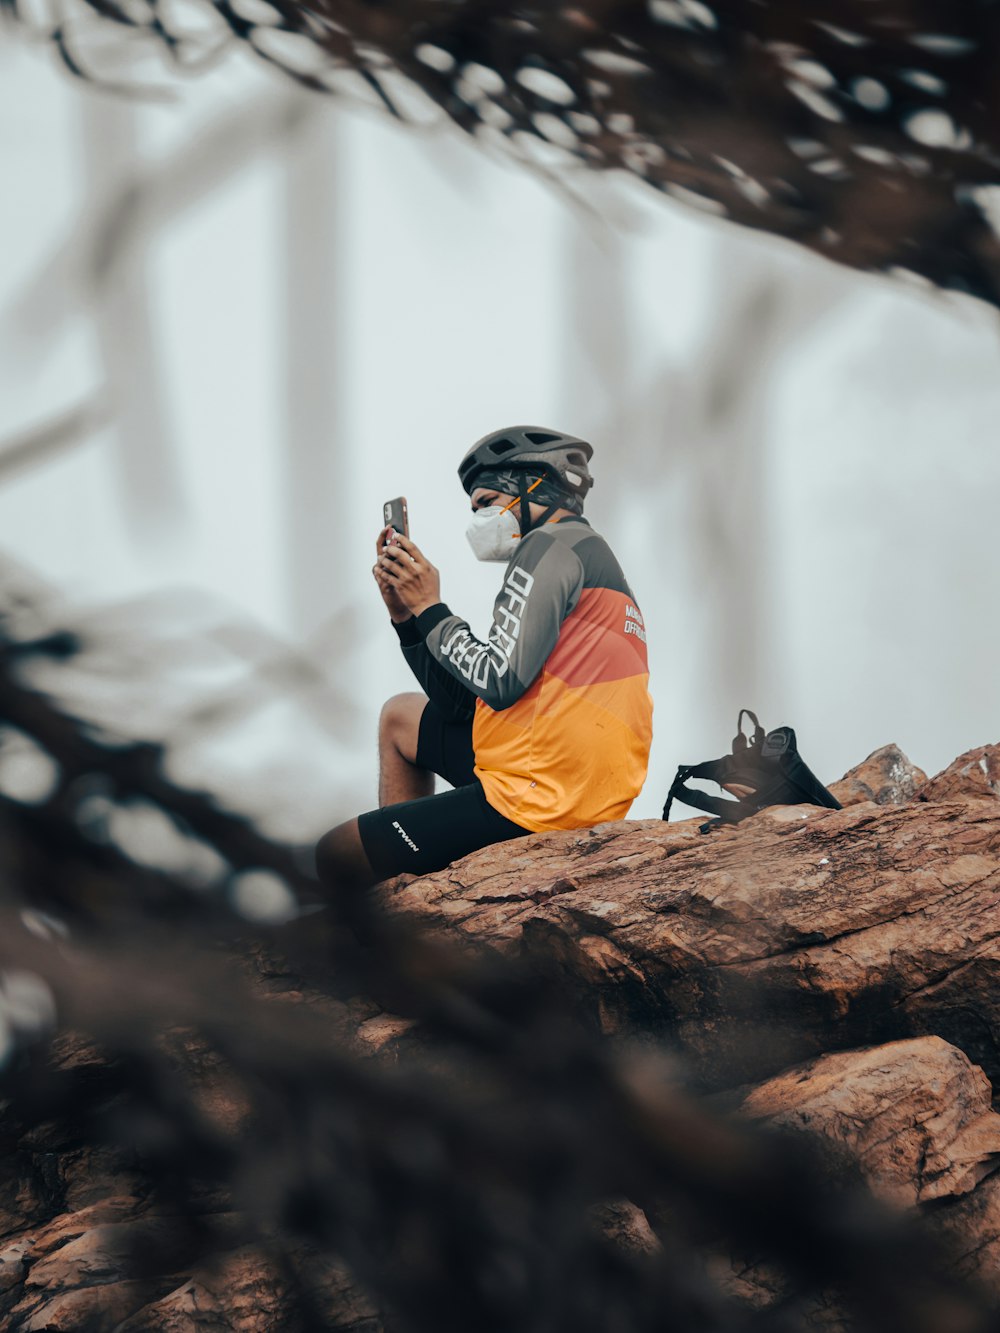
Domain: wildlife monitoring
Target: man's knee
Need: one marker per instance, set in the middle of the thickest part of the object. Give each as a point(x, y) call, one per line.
point(341, 860)
point(399, 723)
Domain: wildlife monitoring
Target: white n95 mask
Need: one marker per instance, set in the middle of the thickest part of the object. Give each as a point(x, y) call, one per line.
point(493, 533)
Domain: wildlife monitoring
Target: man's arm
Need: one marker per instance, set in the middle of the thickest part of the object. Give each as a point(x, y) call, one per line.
point(444, 691)
point(450, 695)
point(541, 587)
point(452, 698)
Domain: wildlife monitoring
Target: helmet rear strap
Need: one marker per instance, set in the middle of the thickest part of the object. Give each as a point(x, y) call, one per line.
point(525, 491)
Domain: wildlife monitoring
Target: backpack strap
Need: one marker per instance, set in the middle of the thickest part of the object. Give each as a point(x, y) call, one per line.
point(740, 741)
point(725, 808)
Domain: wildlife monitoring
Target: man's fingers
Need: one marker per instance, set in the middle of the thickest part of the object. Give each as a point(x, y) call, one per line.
point(398, 557)
point(405, 544)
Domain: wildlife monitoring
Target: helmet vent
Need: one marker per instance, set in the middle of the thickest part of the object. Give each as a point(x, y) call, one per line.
point(539, 436)
point(502, 446)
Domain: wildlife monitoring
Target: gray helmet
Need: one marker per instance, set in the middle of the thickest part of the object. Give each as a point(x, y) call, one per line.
point(563, 457)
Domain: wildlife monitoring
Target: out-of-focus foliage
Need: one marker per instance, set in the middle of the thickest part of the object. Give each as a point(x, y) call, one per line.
point(208, 1064)
point(868, 133)
point(105, 718)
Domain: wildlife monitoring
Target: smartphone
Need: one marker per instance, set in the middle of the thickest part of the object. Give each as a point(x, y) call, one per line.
point(394, 515)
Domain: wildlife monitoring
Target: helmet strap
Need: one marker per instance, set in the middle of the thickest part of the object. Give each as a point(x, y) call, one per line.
point(524, 491)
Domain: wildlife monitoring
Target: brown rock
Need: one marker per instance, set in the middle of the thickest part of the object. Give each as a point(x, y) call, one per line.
point(886, 777)
point(754, 947)
point(78, 1252)
point(72, 1276)
point(383, 1033)
point(626, 1225)
point(970, 1223)
point(243, 1294)
point(85, 1310)
point(974, 775)
point(40, 1263)
point(12, 1264)
point(29, 1189)
point(798, 934)
point(51, 1273)
point(972, 1226)
point(915, 1115)
point(68, 1227)
point(189, 1307)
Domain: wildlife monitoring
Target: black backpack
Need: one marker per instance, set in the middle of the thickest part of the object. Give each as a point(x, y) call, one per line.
point(770, 764)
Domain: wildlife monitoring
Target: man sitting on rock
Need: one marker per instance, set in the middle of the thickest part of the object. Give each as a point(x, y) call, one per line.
point(545, 725)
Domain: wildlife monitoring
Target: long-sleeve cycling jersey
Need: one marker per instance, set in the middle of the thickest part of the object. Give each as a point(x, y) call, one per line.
point(563, 717)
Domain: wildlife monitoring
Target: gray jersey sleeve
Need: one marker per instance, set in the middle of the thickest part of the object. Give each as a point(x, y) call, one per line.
point(541, 587)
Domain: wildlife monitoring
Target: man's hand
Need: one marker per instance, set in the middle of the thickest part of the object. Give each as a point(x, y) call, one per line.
point(397, 608)
point(410, 575)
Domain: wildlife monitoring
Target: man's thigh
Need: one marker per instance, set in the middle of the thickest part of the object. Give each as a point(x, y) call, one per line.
point(417, 837)
point(445, 748)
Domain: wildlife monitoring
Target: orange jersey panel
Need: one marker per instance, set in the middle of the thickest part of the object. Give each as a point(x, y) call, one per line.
point(573, 750)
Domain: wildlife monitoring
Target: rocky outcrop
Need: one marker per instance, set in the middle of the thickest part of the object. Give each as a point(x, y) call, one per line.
point(754, 947)
point(846, 962)
point(87, 1245)
point(831, 973)
point(886, 777)
point(914, 1115)
point(974, 775)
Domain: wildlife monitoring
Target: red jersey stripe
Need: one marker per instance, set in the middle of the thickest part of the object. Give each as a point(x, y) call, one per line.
point(603, 639)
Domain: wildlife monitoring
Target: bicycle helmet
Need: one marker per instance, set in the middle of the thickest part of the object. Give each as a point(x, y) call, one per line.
point(563, 457)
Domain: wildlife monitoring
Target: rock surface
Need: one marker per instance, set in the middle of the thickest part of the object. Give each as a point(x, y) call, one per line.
point(973, 775)
point(886, 777)
point(799, 931)
point(837, 971)
point(915, 1115)
point(772, 951)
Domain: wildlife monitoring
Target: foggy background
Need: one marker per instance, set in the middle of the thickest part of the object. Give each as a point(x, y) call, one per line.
point(234, 322)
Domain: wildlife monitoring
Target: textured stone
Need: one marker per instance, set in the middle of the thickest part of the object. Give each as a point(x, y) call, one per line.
point(886, 777)
point(974, 775)
point(12, 1264)
point(915, 1115)
point(799, 931)
point(378, 1035)
point(243, 1294)
point(972, 1226)
point(852, 945)
point(83, 1310)
point(83, 1251)
point(626, 1225)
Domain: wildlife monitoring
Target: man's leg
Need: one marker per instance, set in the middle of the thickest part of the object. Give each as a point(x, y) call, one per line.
point(342, 864)
point(414, 838)
point(399, 778)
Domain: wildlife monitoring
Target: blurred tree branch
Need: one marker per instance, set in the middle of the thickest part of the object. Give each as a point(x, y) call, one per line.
point(142, 197)
point(869, 134)
point(39, 443)
point(126, 771)
point(89, 769)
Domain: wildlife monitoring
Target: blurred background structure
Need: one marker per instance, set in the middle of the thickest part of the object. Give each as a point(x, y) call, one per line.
point(236, 317)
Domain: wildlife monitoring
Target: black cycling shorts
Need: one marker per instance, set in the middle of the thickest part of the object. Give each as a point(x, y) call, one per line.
point(418, 837)
point(445, 748)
